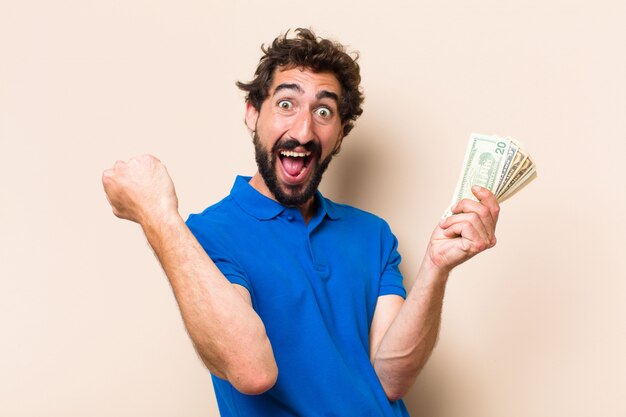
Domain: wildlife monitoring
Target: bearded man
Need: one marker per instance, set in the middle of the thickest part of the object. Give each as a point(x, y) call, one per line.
point(293, 302)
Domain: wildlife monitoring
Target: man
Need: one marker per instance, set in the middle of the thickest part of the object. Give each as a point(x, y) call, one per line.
point(293, 302)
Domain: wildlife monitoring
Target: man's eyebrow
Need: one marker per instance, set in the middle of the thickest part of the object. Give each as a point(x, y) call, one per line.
point(327, 94)
point(287, 86)
point(296, 87)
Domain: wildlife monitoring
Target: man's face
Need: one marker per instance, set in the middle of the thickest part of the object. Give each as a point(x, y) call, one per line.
point(296, 133)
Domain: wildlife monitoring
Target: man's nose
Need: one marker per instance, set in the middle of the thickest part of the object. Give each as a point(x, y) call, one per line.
point(302, 128)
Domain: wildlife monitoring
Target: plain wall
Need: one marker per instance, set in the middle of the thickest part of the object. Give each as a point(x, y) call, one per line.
point(534, 327)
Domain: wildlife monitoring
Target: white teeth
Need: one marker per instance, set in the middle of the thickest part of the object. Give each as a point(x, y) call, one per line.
point(294, 154)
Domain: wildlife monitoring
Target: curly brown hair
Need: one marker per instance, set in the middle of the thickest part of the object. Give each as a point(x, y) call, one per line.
point(308, 51)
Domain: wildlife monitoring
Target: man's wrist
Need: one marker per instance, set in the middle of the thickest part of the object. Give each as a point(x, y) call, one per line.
point(159, 221)
point(432, 272)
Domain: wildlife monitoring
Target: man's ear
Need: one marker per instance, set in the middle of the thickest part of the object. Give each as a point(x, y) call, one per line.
point(251, 116)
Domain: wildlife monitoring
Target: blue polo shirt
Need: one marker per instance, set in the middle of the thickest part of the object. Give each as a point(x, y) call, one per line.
point(315, 287)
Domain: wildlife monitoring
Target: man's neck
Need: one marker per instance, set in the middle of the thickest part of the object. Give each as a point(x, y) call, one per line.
point(307, 209)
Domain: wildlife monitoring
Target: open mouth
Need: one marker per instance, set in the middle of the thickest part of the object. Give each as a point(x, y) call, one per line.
point(295, 164)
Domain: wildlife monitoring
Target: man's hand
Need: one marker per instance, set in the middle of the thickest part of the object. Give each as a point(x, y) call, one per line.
point(469, 231)
point(227, 333)
point(406, 332)
point(140, 190)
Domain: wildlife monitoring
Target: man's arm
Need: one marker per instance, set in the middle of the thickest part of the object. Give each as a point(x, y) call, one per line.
point(227, 333)
point(404, 332)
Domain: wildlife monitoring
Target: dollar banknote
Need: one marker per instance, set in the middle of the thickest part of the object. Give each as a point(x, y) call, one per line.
point(498, 164)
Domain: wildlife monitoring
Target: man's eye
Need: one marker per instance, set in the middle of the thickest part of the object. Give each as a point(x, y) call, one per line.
point(324, 112)
point(285, 104)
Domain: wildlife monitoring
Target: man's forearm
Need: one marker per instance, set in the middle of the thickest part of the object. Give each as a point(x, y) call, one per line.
point(227, 333)
point(412, 335)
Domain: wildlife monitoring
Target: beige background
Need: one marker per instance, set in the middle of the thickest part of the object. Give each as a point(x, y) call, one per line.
point(533, 328)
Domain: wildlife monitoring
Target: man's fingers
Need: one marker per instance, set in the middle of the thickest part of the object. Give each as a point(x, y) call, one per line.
point(469, 231)
point(482, 213)
point(119, 164)
point(473, 241)
point(458, 221)
point(488, 199)
point(453, 231)
point(487, 209)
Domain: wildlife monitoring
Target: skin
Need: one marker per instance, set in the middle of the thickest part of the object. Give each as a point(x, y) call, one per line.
point(303, 106)
point(229, 336)
point(227, 333)
point(404, 332)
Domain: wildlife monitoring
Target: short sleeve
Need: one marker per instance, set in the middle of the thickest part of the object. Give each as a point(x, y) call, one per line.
point(217, 245)
point(391, 277)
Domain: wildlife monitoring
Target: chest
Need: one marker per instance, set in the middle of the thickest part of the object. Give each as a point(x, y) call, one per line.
point(327, 276)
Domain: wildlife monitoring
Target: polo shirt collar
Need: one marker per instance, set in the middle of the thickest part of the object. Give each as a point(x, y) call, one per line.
point(253, 202)
point(327, 207)
point(264, 208)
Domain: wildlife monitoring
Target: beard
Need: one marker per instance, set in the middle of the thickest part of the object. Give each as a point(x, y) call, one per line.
point(290, 195)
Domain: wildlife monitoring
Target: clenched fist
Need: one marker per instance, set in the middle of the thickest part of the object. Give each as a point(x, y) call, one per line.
point(469, 231)
point(140, 190)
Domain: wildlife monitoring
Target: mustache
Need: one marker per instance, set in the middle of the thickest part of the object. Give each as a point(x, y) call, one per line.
point(289, 144)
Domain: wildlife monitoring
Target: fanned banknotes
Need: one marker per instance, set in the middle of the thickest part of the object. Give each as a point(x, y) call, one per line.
point(499, 164)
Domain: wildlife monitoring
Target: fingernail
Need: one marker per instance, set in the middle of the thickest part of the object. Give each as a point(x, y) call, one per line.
point(477, 188)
